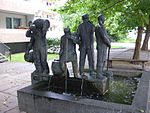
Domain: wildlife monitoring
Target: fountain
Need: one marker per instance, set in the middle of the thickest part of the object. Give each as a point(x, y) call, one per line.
point(50, 97)
point(91, 91)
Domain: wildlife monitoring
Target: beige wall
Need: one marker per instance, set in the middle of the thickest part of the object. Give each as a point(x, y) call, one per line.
point(13, 35)
point(24, 10)
point(17, 6)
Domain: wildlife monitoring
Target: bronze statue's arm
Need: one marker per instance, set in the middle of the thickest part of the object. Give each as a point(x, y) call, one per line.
point(75, 38)
point(44, 33)
point(30, 45)
point(61, 46)
point(105, 37)
point(29, 33)
point(78, 36)
point(97, 33)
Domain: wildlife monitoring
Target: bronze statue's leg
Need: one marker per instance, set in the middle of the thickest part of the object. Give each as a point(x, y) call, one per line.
point(37, 62)
point(43, 54)
point(90, 53)
point(75, 68)
point(100, 63)
point(82, 60)
point(99, 68)
point(63, 67)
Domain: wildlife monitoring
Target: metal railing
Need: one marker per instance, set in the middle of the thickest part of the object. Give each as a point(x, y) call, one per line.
point(5, 50)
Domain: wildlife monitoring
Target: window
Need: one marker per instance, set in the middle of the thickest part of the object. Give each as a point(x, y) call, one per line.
point(47, 3)
point(13, 23)
point(16, 23)
point(8, 23)
point(50, 4)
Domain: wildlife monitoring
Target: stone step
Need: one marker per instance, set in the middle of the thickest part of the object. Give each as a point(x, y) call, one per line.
point(3, 58)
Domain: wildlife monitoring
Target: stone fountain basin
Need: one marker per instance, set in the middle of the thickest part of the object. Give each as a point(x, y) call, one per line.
point(32, 100)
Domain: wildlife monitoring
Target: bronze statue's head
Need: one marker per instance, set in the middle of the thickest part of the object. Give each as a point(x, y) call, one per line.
point(67, 30)
point(101, 19)
point(41, 24)
point(38, 23)
point(85, 17)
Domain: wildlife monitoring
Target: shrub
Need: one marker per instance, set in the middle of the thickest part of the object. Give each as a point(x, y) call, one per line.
point(53, 42)
point(53, 45)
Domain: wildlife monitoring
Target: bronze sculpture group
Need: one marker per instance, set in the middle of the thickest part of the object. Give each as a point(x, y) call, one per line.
point(84, 37)
point(68, 51)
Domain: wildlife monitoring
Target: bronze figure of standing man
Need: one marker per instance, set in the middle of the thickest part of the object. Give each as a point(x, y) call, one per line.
point(68, 51)
point(37, 31)
point(85, 33)
point(103, 42)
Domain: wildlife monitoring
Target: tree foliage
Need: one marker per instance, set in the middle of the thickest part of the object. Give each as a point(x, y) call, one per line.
point(121, 15)
point(144, 6)
point(74, 9)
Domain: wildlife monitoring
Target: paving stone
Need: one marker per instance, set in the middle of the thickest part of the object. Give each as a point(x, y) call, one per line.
point(7, 102)
point(3, 76)
point(10, 83)
point(13, 91)
point(26, 76)
point(15, 110)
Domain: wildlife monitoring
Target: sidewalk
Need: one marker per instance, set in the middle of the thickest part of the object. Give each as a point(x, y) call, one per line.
point(15, 76)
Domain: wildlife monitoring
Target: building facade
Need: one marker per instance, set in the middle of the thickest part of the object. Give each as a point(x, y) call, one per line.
point(45, 10)
point(15, 16)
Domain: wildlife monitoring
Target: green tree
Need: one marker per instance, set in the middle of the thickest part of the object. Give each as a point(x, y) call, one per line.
point(74, 9)
point(144, 6)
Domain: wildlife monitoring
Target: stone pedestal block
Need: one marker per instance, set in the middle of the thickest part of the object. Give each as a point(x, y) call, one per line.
point(36, 78)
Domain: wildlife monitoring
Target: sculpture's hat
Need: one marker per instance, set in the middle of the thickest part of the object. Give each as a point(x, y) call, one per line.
point(101, 17)
point(86, 16)
point(66, 29)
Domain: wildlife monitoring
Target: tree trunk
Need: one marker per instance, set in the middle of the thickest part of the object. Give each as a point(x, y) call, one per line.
point(146, 39)
point(137, 49)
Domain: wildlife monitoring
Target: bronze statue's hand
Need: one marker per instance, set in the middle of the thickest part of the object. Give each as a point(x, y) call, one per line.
point(68, 36)
point(27, 52)
point(71, 37)
point(60, 53)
